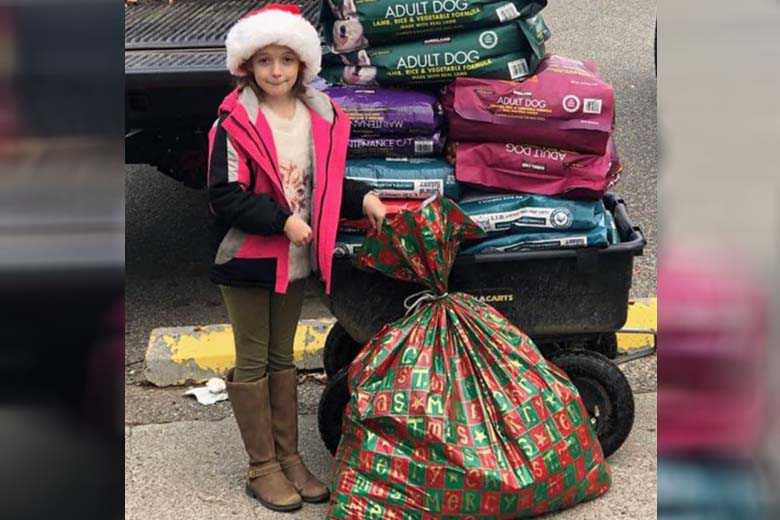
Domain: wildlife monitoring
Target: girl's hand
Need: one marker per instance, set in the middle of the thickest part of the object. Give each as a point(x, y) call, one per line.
point(297, 230)
point(375, 210)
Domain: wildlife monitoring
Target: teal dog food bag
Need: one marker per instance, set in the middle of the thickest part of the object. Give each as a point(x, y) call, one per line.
point(508, 213)
point(512, 51)
point(353, 25)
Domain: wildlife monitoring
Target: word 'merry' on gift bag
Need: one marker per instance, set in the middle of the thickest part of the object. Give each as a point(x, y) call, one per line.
point(453, 412)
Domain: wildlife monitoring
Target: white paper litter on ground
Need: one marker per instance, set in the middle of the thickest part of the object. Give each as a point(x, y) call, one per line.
point(213, 392)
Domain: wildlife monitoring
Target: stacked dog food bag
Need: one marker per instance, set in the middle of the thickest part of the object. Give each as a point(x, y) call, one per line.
point(541, 153)
point(430, 42)
point(396, 147)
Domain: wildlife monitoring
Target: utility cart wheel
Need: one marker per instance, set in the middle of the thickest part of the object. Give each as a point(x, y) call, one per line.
point(331, 409)
point(605, 392)
point(339, 350)
point(550, 349)
point(606, 344)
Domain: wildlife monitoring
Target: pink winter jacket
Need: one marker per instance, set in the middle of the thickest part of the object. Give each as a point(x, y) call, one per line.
point(247, 199)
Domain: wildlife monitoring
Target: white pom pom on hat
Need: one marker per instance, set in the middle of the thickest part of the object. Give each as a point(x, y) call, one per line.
point(274, 24)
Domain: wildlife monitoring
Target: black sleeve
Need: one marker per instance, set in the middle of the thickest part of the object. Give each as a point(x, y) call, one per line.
point(252, 213)
point(352, 198)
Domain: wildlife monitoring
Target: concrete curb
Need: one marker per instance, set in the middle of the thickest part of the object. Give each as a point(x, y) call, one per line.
point(193, 354)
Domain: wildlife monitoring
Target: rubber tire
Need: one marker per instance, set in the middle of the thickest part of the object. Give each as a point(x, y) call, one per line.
point(605, 344)
point(330, 410)
point(339, 350)
point(595, 375)
point(550, 349)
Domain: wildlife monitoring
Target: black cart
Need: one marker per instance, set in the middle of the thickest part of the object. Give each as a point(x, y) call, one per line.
point(570, 302)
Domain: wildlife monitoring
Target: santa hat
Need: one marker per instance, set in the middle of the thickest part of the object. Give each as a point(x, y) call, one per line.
point(274, 24)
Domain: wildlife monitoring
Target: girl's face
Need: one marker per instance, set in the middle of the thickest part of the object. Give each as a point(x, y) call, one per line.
point(275, 69)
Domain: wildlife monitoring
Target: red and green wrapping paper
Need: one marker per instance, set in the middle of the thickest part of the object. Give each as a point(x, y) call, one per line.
point(454, 413)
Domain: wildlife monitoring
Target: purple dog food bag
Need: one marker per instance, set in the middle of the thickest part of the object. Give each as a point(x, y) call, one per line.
point(390, 146)
point(388, 112)
point(538, 170)
point(564, 105)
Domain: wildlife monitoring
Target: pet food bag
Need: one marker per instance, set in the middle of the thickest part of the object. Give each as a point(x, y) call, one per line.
point(613, 235)
point(405, 178)
point(347, 243)
point(453, 412)
point(389, 112)
point(393, 206)
point(513, 212)
point(564, 105)
point(510, 51)
point(352, 25)
point(412, 146)
point(537, 169)
point(535, 241)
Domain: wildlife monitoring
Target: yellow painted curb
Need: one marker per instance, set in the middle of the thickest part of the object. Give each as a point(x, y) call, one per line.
point(211, 348)
point(641, 325)
point(310, 337)
point(180, 354)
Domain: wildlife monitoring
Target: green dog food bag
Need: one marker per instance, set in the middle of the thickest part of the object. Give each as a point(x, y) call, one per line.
point(353, 25)
point(511, 212)
point(516, 242)
point(613, 233)
point(512, 51)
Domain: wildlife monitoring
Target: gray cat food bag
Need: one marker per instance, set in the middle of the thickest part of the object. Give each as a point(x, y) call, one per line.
point(405, 178)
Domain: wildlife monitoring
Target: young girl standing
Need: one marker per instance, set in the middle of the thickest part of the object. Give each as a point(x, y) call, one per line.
point(276, 189)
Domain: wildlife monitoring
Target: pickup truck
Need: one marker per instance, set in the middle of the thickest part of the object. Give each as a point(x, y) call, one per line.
point(175, 78)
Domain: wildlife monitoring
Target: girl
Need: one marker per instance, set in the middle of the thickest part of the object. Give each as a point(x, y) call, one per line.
point(276, 187)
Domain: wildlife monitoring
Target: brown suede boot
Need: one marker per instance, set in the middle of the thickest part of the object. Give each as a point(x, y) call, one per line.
point(283, 386)
point(266, 481)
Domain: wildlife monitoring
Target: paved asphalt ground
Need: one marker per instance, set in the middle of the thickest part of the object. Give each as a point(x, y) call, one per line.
point(173, 442)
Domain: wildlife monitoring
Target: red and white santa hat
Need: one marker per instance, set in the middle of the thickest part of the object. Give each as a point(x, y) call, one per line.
point(274, 24)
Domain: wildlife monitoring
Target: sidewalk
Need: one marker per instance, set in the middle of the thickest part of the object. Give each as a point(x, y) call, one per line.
point(194, 470)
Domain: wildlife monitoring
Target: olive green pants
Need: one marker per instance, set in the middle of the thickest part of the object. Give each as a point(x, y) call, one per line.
point(264, 325)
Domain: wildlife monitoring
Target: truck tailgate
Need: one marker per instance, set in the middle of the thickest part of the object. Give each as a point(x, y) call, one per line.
point(179, 43)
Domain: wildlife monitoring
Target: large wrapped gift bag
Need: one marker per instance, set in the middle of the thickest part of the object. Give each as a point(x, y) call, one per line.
point(454, 413)
point(565, 104)
point(392, 206)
